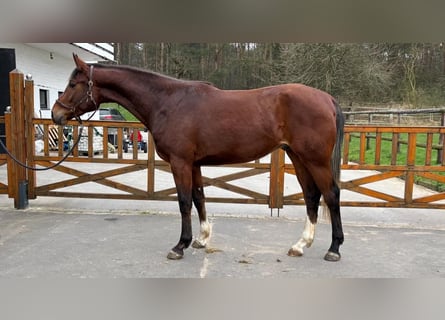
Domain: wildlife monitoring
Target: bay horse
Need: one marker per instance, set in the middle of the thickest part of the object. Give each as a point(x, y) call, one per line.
point(194, 123)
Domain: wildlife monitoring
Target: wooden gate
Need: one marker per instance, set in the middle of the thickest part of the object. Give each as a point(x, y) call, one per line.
point(409, 158)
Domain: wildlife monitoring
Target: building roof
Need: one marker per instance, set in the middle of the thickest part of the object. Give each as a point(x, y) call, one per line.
point(90, 52)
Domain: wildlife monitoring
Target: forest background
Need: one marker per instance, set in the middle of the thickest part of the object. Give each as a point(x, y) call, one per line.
point(411, 75)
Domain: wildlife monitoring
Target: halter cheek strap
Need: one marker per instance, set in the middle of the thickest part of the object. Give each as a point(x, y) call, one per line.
point(88, 96)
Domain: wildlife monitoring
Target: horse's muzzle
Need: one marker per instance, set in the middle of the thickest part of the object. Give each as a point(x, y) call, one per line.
point(58, 119)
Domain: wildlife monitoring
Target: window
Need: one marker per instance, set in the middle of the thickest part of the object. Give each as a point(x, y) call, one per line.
point(44, 97)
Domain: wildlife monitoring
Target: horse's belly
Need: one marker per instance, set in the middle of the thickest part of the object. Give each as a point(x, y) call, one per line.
point(236, 152)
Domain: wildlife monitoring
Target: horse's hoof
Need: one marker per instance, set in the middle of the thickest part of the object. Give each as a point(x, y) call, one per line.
point(332, 256)
point(198, 244)
point(294, 253)
point(172, 255)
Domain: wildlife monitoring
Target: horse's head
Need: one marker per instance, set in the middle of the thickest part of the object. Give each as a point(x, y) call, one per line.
point(78, 97)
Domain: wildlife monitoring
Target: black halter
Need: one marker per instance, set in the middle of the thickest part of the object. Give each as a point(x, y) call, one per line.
point(88, 96)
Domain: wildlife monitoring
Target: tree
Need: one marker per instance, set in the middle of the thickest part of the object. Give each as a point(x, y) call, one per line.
point(410, 73)
point(354, 72)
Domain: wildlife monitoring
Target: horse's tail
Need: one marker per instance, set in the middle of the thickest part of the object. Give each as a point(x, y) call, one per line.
point(336, 153)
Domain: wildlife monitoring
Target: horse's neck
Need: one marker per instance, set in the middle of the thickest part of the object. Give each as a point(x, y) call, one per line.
point(139, 93)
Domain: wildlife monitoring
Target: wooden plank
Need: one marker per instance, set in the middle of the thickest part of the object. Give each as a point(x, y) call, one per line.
point(236, 200)
point(135, 143)
point(90, 142)
point(109, 173)
point(395, 148)
point(3, 188)
point(362, 147)
point(391, 168)
point(120, 140)
point(410, 161)
point(60, 140)
point(428, 148)
point(276, 180)
point(105, 142)
point(375, 194)
point(165, 192)
point(378, 148)
point(92, 160)
point(295, 196)
point(150, 165)
point(443, 150)
point(16, 90)
point(76, 132)
point(228, 177)
point(100, 178)
point(430, 198)
point(346, 141)
point(233, 188)
point(391, 129)
point(432, 176)
point(370, 179)
point(92, 195)
point(30, 136)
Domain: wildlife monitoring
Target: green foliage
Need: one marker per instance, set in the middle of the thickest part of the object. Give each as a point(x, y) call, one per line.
point(355, 73)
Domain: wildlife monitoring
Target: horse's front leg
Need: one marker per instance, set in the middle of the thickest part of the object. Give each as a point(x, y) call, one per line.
point(199, 200)
point(182, 173)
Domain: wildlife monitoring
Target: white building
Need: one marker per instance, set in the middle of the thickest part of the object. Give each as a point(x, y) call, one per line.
point(50, 65)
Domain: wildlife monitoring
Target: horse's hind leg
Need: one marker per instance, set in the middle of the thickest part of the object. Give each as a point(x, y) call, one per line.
point(312, 199)
point(199, 201)
point(182, 173)
point(331, 195)
point(332, 200)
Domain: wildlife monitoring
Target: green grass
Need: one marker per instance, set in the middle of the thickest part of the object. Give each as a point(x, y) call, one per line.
point(386, 150)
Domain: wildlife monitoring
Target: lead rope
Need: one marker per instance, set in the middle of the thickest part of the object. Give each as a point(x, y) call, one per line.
point(24, 165)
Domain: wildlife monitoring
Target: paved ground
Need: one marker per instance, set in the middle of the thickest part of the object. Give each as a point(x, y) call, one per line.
point(76, 238)
point(55, 243)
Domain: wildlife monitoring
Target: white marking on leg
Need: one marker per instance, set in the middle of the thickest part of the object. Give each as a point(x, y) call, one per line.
point(306, 238)
point(204, 233)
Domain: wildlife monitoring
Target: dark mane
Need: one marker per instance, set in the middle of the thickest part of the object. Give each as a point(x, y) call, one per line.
point(146, 72)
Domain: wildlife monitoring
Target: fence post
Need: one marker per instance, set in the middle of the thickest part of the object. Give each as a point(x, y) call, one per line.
point(441, 138)
point(276, 182)
point(410, 162)
point(30, 135)
point(150, 166)
point(18, 138)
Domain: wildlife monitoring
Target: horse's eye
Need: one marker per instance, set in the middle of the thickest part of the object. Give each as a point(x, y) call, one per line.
point(72, 84)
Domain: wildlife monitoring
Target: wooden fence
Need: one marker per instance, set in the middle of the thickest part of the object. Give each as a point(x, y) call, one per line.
point(21, 126)
point(398, 117)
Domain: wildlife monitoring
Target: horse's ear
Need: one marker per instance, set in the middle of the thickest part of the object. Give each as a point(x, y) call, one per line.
point(80, 64)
